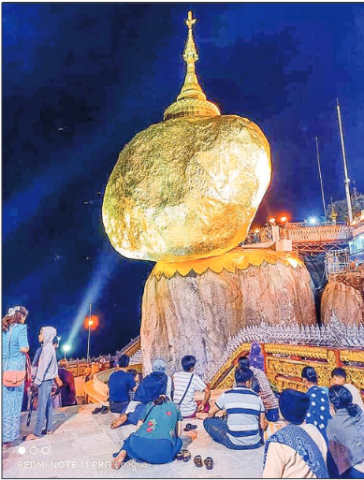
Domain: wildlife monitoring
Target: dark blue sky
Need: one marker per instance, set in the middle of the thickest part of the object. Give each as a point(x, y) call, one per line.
point(80, 80)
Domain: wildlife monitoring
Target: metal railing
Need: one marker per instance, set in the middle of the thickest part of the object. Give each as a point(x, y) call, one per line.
point(321, 233)
point(325, 232)
point(339, 261)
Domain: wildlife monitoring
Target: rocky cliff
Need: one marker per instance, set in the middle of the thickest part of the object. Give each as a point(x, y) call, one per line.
point(344, 297)
point(197, 314)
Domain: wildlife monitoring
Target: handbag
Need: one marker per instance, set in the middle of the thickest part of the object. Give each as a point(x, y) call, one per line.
point(13, 378)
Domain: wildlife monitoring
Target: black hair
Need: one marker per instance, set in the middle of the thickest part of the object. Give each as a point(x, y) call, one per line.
point(255, 385)
point(338, 372)
point(243, 375)
point(188, 362)
point(341, 398)
point(294, 405)
point(244, 362)
point(124, 361)
point(309, 373)
point(55, 341)
point(133, 371)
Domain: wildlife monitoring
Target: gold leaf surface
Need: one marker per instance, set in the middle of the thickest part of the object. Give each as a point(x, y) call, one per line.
point(187, 188)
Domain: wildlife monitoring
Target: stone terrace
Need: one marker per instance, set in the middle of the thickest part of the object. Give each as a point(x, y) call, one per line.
point(82, 447)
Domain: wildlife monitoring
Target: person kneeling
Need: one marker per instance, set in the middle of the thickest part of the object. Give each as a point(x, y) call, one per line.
point(157, 437)
point(245, 414)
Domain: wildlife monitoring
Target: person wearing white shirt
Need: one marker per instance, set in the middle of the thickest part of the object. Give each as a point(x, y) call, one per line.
point(186, 384)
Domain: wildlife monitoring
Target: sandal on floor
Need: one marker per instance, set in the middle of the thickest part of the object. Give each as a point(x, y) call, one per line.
point(179, 455)
point(186, 455)
point(209, 463)
point(189, 427)
point(119, 421)
point(104, 410)
point(198, 461)
point(97, 410)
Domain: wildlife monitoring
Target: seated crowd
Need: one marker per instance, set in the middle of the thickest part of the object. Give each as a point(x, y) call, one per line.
point(317, 434)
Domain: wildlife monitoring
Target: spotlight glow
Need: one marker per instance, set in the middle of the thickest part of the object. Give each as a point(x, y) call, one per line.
point(103, 272)
point(66, 348)
point(312, 220)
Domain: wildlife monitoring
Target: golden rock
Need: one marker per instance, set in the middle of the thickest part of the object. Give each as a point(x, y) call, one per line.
point(187, 187)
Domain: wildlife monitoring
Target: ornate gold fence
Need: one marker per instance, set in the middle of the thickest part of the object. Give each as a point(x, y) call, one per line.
point(284, 364)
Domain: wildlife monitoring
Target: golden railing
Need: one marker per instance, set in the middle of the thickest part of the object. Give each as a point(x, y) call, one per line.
point(96, 390)
point(132, 347)
point(284, 364)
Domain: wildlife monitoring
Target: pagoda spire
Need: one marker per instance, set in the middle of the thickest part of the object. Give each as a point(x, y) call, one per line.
point(191, 87)
point(191, 102)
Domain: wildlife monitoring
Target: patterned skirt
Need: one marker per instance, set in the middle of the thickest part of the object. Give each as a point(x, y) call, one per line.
point(12, 402)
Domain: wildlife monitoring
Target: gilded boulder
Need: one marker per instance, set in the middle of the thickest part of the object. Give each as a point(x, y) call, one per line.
point(187, 188)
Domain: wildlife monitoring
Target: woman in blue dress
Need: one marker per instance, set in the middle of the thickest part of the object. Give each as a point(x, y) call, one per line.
point(15, 346)
point(157, 438)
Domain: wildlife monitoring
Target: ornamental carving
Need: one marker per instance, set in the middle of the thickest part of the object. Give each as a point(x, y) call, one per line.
point(284, 364)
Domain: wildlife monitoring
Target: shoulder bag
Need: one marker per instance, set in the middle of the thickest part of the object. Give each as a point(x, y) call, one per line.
point(13, 378)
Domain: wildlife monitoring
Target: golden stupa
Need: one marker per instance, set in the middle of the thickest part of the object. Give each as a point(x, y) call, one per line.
point(189, 186)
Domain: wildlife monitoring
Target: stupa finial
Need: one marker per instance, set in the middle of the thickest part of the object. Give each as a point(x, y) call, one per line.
point(188, 102)
point(191, 87)
point(190, 21)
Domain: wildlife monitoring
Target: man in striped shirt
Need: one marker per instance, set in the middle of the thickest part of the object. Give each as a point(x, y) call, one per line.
point(270, 401)
point(245, 414)
point(186, 384)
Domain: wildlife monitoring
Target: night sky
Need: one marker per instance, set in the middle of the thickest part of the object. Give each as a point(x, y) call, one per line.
point(80, 80)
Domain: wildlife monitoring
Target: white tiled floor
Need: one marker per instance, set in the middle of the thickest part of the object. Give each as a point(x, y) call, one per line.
point(82, 447)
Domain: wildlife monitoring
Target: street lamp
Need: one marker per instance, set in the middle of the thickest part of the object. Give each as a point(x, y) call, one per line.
point(66, 349)
point(90, 322)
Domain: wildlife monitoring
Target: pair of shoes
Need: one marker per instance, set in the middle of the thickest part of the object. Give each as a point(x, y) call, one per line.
point(104, 409)
point(184, 455)
point(189, 427)
point(208, 462)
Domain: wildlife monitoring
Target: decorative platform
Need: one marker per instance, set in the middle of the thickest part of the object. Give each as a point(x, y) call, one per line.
point(284, 364)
